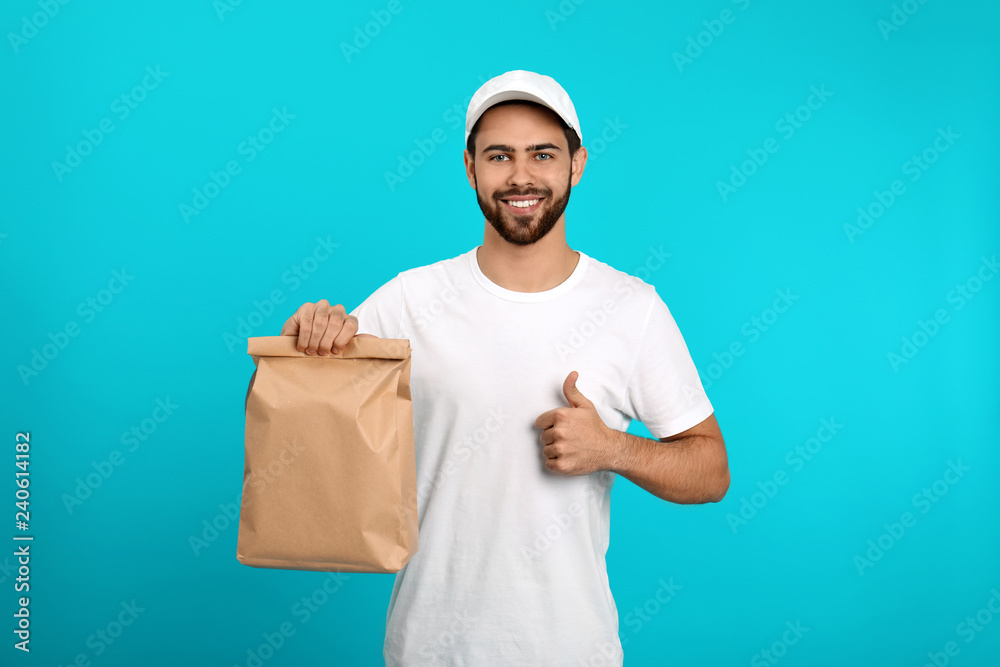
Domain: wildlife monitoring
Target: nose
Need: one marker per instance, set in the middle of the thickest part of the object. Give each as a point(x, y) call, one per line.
point(521, 173)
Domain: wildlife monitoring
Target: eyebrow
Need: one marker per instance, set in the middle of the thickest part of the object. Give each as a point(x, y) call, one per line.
point(510, 149)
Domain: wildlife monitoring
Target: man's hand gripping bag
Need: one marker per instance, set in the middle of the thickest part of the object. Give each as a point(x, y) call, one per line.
point(329, 481)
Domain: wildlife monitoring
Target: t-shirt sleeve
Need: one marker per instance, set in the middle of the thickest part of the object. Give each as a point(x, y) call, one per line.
point(664, 391)
point(379, 314)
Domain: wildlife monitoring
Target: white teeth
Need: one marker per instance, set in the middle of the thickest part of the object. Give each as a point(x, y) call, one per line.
point(523, 204)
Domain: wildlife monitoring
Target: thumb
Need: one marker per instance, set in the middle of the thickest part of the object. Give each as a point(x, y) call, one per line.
point(573, 395)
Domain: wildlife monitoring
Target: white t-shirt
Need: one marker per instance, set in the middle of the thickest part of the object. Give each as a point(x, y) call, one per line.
point(511, 568)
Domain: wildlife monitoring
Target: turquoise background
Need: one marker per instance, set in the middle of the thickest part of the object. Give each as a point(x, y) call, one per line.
point(652, 183)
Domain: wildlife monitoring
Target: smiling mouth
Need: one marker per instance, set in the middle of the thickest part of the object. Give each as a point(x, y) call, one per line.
point(522, 206)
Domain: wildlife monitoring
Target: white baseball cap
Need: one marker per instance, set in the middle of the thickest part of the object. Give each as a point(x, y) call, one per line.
point(520, 84)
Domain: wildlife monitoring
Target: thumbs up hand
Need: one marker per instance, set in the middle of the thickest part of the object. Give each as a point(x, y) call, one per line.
point(576, 440)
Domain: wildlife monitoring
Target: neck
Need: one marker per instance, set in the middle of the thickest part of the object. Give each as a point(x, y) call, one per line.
point(531, 268)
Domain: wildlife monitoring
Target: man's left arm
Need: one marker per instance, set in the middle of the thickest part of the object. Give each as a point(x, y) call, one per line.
point(689, 467)
point(662, 392)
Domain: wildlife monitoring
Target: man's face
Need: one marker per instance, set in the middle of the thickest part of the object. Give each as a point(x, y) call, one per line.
point(522, 172)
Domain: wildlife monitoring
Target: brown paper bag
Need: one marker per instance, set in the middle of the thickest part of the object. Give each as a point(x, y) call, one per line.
point(329, 481)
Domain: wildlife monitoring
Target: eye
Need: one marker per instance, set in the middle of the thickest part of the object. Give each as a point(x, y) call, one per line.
point(494, 158)
point(548, 155)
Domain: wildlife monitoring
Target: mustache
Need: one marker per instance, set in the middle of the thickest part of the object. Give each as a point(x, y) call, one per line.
point(527, 193)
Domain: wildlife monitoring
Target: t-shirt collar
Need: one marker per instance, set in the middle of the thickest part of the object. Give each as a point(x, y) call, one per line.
point(527, 297)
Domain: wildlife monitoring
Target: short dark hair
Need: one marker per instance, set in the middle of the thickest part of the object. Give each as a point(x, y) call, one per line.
point(572, 138)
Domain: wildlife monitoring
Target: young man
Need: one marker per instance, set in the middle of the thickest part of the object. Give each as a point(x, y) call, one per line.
point(529, 361)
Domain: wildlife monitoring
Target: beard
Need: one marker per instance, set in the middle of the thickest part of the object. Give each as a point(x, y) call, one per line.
point(524, 229)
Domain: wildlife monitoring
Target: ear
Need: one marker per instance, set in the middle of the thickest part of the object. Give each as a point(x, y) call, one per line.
point(470, 168)
point(577, 165)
